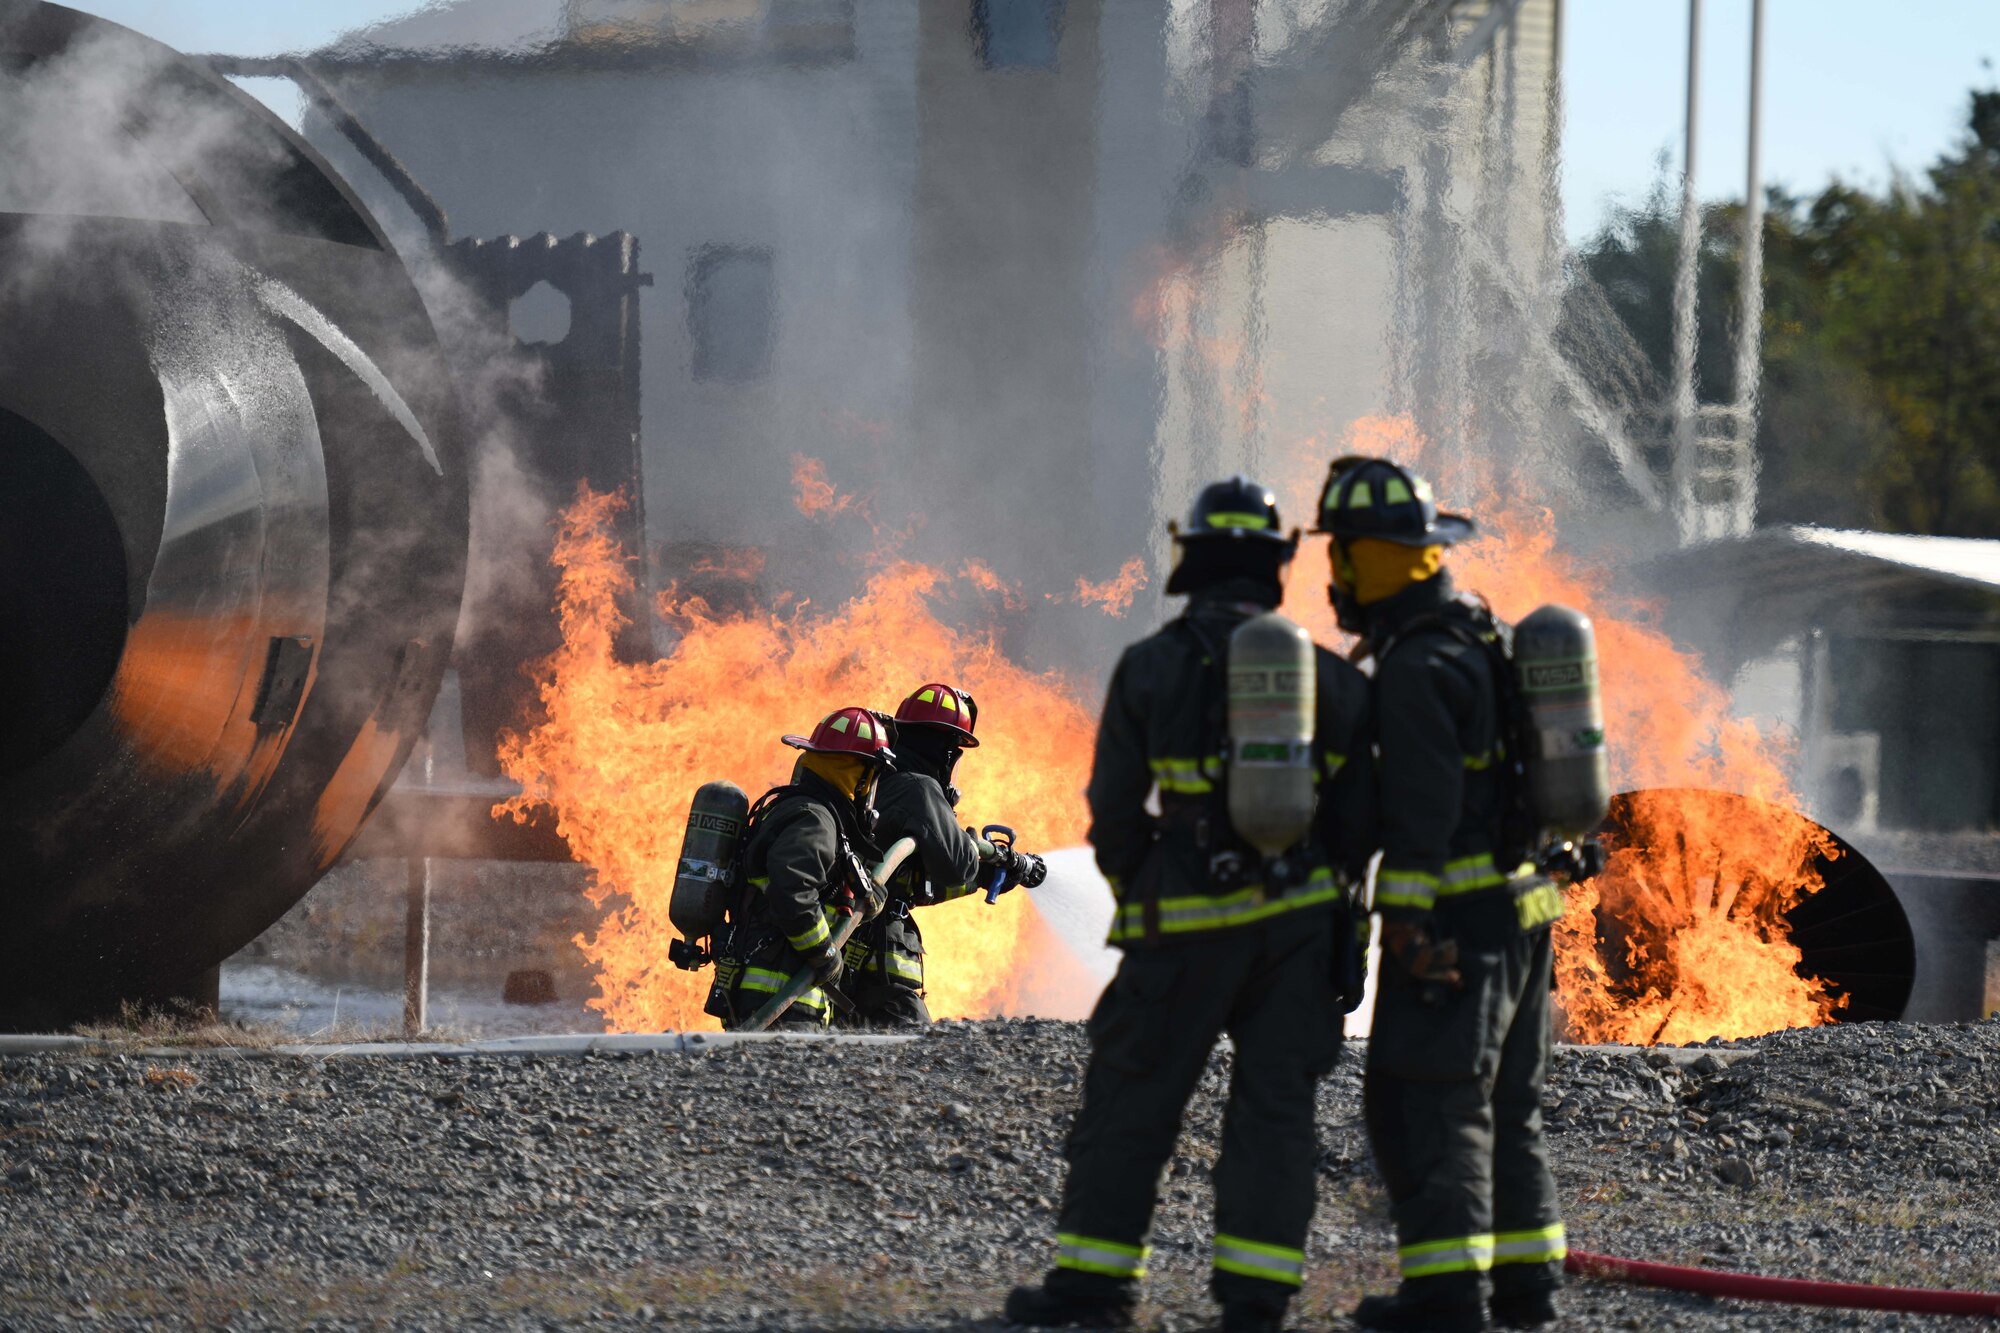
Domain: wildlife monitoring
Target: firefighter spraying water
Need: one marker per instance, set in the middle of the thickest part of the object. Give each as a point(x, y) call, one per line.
point(864, 955)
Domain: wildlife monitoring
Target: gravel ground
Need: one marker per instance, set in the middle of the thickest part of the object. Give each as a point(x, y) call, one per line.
point(806, 1185)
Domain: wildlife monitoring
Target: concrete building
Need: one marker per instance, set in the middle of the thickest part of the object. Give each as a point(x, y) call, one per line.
point(1028, 268)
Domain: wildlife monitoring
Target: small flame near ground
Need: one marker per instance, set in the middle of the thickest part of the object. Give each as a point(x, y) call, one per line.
point(1698, 890)
point(623, 747)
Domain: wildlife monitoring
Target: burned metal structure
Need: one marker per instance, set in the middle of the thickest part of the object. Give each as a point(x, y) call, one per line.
point(579, 426)
point(233, 499)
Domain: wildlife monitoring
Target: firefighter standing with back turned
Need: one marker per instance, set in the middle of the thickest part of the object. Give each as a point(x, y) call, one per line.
point(885, 959)
point(803, 863)
point(1460, 1042)
point(1216, 939)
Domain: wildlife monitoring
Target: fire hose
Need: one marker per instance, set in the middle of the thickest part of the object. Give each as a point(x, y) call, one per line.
point(1789, 1290)
point(802, 980)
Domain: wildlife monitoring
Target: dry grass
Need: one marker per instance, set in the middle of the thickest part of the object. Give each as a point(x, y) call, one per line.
point(186, 1029)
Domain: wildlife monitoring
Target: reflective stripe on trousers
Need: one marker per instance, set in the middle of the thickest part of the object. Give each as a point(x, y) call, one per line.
point(1092, 1254)
point(1201, 912)
point(1458, 1254)
point(766, 982)
point(1256, 1258)
point(1530, 1247)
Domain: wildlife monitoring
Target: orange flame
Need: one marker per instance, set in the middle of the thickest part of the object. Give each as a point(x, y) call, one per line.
point(1114, 595)
point(1699, 896)
point(817, 497)
point(624, 746)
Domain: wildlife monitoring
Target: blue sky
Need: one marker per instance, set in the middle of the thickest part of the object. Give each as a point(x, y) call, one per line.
point(1852, 87)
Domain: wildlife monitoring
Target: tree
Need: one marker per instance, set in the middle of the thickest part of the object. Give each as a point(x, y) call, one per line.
point(1881, 367)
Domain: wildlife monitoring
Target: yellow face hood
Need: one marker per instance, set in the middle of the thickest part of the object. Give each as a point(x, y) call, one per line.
point(1374, 570)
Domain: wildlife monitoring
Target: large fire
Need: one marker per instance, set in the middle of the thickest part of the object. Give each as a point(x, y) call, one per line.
point(1698, 895)
point(1695, 896)
point(623, 747)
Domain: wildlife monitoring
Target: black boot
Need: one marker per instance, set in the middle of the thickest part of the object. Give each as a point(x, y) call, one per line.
point(1402, 1313)
point(1039, 1307)
point(1244, 1317)
point(1524, 1309)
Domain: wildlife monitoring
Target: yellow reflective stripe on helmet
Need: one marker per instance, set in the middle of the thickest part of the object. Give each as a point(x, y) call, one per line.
point(1255, 1258)
point(1405, 888)
point(812, 936)
point(1090, 1254)
point(1219, 912)
point(1479, 763)
point(1331, 763)
point(1530, 1247)
point(1359, 496)
point(1396, 491)
point(1232, 519)
point(1460, 1254)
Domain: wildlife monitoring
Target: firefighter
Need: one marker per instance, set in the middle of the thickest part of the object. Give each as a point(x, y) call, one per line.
point(1214, 941)
point(804, 863)
point(1460, 1040)
point(885, 959)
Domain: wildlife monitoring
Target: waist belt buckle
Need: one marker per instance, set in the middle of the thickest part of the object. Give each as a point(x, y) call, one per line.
point(1226, 868)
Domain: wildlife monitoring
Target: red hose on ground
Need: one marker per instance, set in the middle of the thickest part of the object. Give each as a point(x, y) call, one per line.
point(1794, 1291)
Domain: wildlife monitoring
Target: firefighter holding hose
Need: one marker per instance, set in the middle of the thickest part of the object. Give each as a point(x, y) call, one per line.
point(1230, 921)
point(1460, 1041)
point(804, 863)
point(885, 959)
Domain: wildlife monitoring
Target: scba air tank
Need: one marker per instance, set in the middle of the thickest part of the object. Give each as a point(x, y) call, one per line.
point(1569, 779)
point(1273, 688)
point(708, 850)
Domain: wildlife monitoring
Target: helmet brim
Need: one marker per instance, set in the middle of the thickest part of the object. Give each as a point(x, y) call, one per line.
point(966, 740)
point(882, 756)
point(1447, 530)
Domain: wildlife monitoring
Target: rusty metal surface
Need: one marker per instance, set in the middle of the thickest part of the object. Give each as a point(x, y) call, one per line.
point(244, 377)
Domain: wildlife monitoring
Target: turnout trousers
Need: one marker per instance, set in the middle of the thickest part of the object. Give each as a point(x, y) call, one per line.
point(765, 971)
point(1272, 986)
point(1453, 1101)
point(885, 972)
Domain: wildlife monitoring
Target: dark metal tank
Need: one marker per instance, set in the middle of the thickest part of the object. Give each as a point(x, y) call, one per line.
point(232, 517)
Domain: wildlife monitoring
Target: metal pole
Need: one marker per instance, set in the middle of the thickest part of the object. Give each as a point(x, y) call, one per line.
point(1684, 297)
point(417, 947)
point(1750, 336)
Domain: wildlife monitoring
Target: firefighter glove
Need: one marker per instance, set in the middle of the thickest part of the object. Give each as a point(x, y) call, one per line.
point(1420, 954)
point(827, 967)
point(872, 899)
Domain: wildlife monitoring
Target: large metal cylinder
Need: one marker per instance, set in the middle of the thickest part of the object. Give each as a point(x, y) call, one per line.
point(232, 509)
point(1273, 694)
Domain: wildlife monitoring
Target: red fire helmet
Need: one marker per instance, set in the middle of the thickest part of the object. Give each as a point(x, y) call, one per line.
point(936, 705)
point(855, 731)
